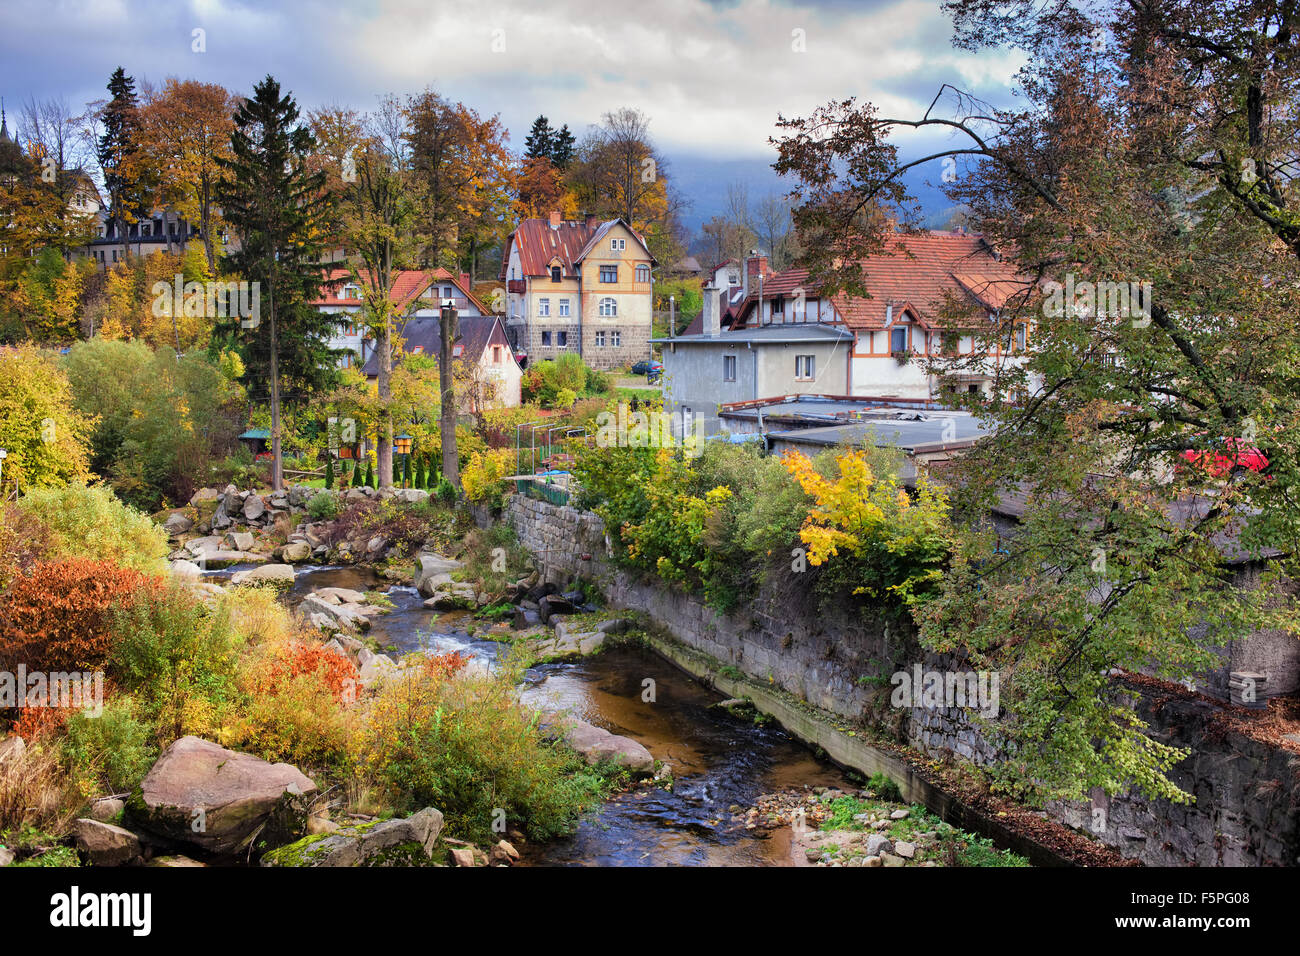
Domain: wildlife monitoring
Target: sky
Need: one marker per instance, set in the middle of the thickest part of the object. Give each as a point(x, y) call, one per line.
point(712, 76)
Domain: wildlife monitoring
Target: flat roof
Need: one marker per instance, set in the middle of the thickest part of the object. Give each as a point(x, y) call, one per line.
point(766, 335)
point(935, 430)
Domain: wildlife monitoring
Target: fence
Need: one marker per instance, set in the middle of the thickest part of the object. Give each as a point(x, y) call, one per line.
point(544, 489)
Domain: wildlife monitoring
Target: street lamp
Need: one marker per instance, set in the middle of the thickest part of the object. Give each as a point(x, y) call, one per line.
point(3, 455)
point(402, 444)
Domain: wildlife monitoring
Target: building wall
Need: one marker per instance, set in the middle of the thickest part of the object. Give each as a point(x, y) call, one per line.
point(634, 300)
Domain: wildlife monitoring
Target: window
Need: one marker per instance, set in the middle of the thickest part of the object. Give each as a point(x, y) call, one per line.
point(543, 306)
point(417, 350)
point(600, 338)
point(616, 338)
point(778, 306)
point(608, 306)
point(950, 343)
point(898, 339)
point(1022, 334)
point(609, 273)
point(564, 307)
point(562, 339)
point(728, 368)
point(643, 273)
point(733, 278)
point(804, 367)
point(556, 273)
point(496, 355)
point(546, 338)
point(618, 245)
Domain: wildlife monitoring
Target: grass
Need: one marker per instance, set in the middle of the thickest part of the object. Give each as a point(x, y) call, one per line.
point(953, 847)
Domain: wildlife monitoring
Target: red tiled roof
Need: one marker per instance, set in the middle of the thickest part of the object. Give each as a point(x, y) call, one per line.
point(915, 272)
point(570, 242)
point(408, 285)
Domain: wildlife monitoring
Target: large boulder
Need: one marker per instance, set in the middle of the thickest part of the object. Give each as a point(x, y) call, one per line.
point(333, 617)
point(280, 574)
point(201, 793)
point(390, 843)
point(596, 744)
point(205, 494)
point(186, 570)
point(295, 552)
point(254, 507)
point(450, 596)
point(177, 524)
point(240, 541)
point(105, 844)
point(429, 565)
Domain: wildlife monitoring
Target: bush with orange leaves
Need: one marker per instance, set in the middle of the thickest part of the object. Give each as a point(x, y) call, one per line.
point(58, 615)
point(299, 694)
point(443, 666)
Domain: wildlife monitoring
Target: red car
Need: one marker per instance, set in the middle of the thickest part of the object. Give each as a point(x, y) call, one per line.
point(1235, 453)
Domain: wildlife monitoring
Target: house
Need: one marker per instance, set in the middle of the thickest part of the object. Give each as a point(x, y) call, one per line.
point(415, 292)
point(876, 346)
point(579, 286)
point(493, 374)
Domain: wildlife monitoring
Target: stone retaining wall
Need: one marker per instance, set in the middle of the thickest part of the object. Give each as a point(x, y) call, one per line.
point(1247, 809)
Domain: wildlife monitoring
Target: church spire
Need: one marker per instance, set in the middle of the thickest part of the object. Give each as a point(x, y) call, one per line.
point(4, 129)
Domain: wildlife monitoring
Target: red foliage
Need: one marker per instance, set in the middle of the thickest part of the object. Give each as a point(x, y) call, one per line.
point(443, 666)
point(36, 722)
point(57, 616)
point(336, 670)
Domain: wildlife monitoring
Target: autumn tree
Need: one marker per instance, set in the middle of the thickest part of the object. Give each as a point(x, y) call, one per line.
point(618, 173)
point(380, 218)
point(1154, 153)
point(461, 169)
point(185, 131)
point(279, 209)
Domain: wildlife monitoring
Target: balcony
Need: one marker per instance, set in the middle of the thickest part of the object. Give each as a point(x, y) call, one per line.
point(517, 286)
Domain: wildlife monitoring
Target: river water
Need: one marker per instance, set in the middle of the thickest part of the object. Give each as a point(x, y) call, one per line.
point(717, 760)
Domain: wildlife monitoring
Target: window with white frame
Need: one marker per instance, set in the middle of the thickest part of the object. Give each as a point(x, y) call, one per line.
point(617, 245)
point(805, 367)
point(616, 338)
point(642, 273)
point(564, 307)
point(898, 339)
point(1022, 335)
point(608, 306)
point(600, 338)
point(728, 368)
point(543, 307)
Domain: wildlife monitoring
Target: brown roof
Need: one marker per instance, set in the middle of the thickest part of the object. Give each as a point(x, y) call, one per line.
point(914, 273)
point(570, 242)
point(408, 285)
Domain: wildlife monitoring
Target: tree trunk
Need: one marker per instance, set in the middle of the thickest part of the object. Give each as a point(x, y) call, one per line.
point(205, 216)
point(450, 328)
point(277, 478)
point(384, 348)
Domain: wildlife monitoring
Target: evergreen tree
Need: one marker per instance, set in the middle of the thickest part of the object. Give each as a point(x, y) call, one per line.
point(117, 152)
point(357, 481)
point(419, 472)
point(562, 148)
point(280, 210)
point(406, 471)
point(370, 475)
point(329, 470)
point(541, 140)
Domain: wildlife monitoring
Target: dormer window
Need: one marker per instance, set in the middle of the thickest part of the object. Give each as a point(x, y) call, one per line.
point(898, 339)
point(556, 273)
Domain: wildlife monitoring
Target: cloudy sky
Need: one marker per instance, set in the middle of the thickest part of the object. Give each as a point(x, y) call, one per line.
point(712, 76)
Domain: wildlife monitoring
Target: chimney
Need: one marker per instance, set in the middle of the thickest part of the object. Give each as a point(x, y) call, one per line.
point(555, 219)
point(465, 282)
point(755, 266)
point(592, 219)
point(712, 314)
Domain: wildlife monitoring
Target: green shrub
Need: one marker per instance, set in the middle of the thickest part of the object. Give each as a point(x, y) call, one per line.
point(115, 749)
point(92, 523)
point(178, 659)
point(323, 507)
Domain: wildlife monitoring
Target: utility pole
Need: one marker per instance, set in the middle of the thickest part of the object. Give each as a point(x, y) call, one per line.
point(449, 327)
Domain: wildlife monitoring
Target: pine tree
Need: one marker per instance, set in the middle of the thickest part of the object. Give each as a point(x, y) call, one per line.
point(117, 152)
point(370, 475)
point(329, 470)
point(280, 209)
point(406, 471)
point(357, 481)
point(562, 148)
point(419, 472)
point(541, 139)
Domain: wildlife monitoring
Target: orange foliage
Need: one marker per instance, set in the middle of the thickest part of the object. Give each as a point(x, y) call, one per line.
point(336, 671)
point(56, 616)
point(442, 666)
point(36, 722)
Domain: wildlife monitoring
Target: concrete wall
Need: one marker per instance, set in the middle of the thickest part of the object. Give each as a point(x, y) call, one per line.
point(838, 660)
